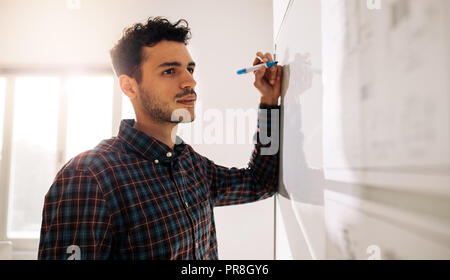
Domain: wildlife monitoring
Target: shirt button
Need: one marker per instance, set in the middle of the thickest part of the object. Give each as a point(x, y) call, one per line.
point(196, 244)
point(169, 154)
point(156, 161)
point(185, 203)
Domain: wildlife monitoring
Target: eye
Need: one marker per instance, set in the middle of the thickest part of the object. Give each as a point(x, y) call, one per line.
point(169, 71)
point(191, 70)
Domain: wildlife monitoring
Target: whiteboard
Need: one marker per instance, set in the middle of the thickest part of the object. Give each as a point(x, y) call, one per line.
point(365, 157)
point(300, 203)
point(386, 94)
point(365, 229)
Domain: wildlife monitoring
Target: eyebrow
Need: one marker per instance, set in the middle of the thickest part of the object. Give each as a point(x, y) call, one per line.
point(175, 63)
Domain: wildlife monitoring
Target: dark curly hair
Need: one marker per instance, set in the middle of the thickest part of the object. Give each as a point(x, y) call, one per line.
point(127, 56)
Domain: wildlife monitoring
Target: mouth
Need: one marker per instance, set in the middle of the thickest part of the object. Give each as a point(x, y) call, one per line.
point(189, 100)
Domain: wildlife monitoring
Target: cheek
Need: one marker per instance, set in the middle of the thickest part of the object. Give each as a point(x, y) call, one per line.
point(165, 90)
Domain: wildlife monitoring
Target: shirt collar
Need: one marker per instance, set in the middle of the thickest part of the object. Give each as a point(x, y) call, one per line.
point(148, 146)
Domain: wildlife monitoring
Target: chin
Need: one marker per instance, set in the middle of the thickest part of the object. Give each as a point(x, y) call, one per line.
point(184, 114)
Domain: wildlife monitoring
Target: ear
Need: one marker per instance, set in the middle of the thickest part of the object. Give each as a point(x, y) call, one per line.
point(128, 86)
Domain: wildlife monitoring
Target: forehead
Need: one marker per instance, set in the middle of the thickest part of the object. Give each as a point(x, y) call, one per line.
point(166, 51)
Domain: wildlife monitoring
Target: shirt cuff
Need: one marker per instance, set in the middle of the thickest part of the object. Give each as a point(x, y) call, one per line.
point(268, 106)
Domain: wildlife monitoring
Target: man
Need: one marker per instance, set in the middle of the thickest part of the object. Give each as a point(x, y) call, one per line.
point(146, 194)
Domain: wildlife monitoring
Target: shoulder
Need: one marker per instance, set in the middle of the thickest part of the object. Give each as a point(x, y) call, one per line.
point(85, 169)
point(106, 154)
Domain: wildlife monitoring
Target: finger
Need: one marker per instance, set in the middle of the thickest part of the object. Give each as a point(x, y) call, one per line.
point(272, 75)
point(260, 55)
point(259, 76)
point(273, 70)
point(269, 56)
point(257, 61)
point(260, 58)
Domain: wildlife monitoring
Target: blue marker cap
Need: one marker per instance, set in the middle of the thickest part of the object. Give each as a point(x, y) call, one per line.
point(256, 67)
point(242, 71)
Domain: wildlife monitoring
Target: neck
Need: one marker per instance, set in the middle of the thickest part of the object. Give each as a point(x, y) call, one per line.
point(161, 131)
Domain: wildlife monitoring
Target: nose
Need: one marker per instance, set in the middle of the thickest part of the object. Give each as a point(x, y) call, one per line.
point(188, 80)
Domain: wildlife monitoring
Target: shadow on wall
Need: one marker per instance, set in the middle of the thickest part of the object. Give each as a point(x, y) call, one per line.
point(308, 184)
point(302, 180)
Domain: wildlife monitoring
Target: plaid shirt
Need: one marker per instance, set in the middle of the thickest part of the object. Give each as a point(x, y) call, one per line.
point(132, 197)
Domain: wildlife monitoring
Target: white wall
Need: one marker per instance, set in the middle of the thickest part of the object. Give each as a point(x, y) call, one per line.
point(226, 36)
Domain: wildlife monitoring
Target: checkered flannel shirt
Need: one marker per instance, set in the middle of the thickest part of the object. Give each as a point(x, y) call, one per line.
point(132, 197)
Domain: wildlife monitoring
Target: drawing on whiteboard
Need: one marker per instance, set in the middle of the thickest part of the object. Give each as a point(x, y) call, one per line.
point(386, 101)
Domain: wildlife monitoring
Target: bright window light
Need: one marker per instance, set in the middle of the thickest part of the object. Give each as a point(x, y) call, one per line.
point(33, 154)
point(127, 108)
point(89, 116)
point(2, 111)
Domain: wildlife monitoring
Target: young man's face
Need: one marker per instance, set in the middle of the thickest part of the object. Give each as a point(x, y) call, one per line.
point(167, 83)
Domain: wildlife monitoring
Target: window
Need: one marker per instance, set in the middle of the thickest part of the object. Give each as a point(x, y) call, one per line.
point(90, 110)
point(50, 117)
point(33, 152)
point(2, 112)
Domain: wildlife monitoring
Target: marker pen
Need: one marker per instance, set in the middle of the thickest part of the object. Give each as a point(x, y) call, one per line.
point(256, 67)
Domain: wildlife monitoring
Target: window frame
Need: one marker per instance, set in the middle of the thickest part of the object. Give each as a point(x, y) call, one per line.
point(26, 247)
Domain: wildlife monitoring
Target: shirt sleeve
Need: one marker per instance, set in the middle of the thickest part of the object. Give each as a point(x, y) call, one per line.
point(76, 223)
point(260, 179)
